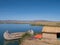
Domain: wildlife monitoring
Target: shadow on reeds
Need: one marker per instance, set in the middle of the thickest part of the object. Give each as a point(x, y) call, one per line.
point(11, 42)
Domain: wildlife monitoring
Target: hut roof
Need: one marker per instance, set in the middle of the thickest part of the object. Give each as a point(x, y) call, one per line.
point(51, 29)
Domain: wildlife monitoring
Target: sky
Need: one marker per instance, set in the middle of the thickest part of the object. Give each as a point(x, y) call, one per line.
point(30, 10)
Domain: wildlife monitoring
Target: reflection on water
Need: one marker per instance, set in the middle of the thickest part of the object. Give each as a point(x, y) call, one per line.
point(12, 42)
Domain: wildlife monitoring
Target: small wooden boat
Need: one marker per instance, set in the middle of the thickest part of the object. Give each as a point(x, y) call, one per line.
point(11, 36)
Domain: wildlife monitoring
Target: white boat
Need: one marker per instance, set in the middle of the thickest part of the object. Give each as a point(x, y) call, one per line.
point(11, 36)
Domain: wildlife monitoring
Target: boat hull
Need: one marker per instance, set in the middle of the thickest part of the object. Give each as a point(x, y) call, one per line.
point(12, 36)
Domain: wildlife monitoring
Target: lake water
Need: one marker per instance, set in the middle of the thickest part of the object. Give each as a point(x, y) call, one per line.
point(16, 28)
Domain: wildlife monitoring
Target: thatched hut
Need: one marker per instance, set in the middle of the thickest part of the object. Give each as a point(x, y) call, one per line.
point(51, 32)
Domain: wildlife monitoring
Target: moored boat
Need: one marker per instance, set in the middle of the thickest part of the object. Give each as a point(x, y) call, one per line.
point(11, 36)
point(16, 35)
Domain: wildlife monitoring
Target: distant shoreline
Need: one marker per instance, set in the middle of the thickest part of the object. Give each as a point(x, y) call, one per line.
point(33, 23)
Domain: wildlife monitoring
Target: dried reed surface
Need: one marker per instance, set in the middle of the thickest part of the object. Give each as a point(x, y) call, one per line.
point(58, 42)
point(51, 29)
point(41, 42)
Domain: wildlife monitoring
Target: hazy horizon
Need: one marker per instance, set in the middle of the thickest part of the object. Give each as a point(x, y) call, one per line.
point(30, 20)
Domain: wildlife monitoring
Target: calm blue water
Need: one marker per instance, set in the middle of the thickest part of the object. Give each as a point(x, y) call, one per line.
point(16, 28)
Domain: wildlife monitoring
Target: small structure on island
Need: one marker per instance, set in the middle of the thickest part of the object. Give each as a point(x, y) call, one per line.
point(50, 32)
point(31, 32)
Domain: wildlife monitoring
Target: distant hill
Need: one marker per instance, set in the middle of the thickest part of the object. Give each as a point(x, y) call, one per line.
point(12, 21)
point(33, 22)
